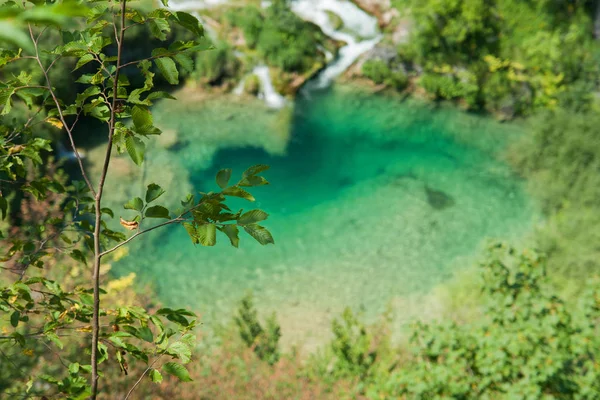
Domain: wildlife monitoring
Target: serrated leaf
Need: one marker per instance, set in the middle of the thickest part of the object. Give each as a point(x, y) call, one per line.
point(207, 234)
point(185, 61)
point(255, 169)
point(135, 148)
point(141, 117)
point(253, 181)
point(182, 351)
point(189, 22)
point(238, 192)
point(177, 370)
point(83, 60)
point(260, 233)
point(159, 27)
point(252, 217)
point(136, 204)
point(155, 376)
point(232, 233)
point(223, 177)
point(168, 69)
point(153, 192)
point(157, 212)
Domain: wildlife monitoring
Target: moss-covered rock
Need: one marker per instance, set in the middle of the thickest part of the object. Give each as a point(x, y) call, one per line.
point(252, 85)
point(336, 21)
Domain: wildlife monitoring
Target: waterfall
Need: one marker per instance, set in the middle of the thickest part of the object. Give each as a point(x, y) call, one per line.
point(267, 91)
point(356, 21)
point(360, 33)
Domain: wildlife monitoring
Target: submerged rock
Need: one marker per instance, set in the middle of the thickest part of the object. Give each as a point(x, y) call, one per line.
point(437, 199)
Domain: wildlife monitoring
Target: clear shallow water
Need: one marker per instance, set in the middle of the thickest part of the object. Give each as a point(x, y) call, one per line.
point(374, 200)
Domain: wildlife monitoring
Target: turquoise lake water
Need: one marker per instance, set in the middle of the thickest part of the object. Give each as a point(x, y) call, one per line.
point(374, 199)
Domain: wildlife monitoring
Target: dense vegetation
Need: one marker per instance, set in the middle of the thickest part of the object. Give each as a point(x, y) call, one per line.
point(509, 57)
point(280, 36)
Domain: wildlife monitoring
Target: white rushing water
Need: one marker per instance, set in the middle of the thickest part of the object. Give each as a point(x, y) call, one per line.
point(356, 21)
point(267, 91)
point(360, 33)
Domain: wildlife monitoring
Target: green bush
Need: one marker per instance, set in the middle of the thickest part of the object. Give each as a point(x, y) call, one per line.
point(441, 86)
point(528, 345)
point(264, 341)
point(282, 38)
point(252, 85)
point(216, 66)
point(379, 72)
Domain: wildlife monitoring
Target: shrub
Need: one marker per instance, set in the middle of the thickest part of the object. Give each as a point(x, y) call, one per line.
point(216, 66)
point(379, 72)
point(264, 341)
point(252, 85)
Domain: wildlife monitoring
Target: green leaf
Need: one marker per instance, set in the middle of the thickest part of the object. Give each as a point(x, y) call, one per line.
point(190, 23)
point(14, 318)
point(253, 181)
point(159, 27)
point(223, 177)
point(182, 351)
point(136, 204)
point(145, 333)
point(191, 230)
point(232, 233)
point(255, 169)
point(142, 118)
point(207, 234)
point(3, 206)
point(77, 255)
point(153, 192)
point(260, 233)
point(73, 368)
point(177, 370)
point(157, 212)
point(83, 60)
point(12, 33)
point(168, 69)
point(252, 216)
point(5, 96)
point(185, 61)
point(155, 376)
point(238, 192)
point(53, 337)
point(107, 211)
point(136, 148)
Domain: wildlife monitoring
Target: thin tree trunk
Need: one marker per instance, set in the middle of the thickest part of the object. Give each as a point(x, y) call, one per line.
point(98, 210)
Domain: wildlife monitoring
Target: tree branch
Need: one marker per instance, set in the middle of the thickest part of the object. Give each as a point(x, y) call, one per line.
point(142, 376)
point(60, 113)
point(172, 221)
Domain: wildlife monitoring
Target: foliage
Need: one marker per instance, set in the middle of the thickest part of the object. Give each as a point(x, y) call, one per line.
point(529, 344)
point(217, 65)
point(520, 56)
point(379, 72)
point(42, 311)
point(280, 36)
point(561, 160)
point(252, 85)
point(264, 341)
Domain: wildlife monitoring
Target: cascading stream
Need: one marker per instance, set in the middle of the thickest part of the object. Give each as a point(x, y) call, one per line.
point(360, 33)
